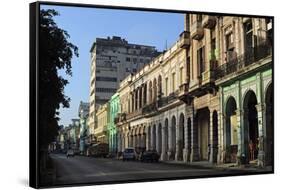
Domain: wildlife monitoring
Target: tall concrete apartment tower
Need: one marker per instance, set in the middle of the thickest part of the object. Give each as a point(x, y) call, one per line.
point(112, 59)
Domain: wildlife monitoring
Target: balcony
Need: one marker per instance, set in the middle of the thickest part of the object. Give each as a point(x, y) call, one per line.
point(184, 39)
point(209, 75)
point(150, 108)
point(133, 114)
point(197, 31)
point(121, 117)
point(183, 93)
point(209, 21)
point(168, 99)
point(239, 63)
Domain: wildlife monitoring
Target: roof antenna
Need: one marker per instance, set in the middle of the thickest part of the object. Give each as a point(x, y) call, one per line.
point(166, 46)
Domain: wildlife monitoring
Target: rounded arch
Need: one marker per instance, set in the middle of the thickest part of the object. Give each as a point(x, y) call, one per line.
point(268, 92)
point(166, 134)
point(189, 134)
point(245, 96)
point(269, 112)
point(181, 137)
point(250, 128)
point(153, 139)
point(215, 135)
point(229, 98)
point(159, 138)
point(172, 137)
point(231, 130)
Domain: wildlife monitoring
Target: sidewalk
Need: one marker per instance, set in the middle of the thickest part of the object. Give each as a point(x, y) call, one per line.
point(226, 166)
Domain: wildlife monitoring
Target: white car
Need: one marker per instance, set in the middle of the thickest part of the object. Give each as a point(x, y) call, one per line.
point(70, 152)
point(129, 154)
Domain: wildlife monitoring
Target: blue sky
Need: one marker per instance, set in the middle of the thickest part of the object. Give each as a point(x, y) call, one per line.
point(84, 25)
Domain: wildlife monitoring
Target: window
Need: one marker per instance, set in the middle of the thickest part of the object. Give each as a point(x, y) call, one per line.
point(248, 36)
point(213, 45)
point(106, 79)
point(229, 41)
point(166, 86)
point(173, 82)
point(128, 59)
point(181, 75)
point(134, 60)
point(201, 60)
point(106, 90)
point(127, 69)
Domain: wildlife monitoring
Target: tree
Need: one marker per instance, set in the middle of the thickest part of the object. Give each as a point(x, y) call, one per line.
point(55, 53)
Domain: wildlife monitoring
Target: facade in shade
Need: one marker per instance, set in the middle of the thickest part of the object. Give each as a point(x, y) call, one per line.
point(207, 98)
point(100, 131)
point(114, 109)
point(112, 59)
point(83, 113)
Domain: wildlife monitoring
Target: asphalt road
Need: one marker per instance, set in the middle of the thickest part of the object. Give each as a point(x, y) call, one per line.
point(80, 169)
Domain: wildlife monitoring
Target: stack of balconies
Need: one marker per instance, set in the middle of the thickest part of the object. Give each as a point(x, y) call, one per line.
point(184, 40)
point(208, 21)
point(197, 30)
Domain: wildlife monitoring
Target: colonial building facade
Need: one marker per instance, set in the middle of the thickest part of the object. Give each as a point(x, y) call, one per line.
point(100, 131)
point(114, 109)
point(208, 97)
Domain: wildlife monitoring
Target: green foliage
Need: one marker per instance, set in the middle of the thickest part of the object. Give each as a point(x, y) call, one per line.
point(55, 53)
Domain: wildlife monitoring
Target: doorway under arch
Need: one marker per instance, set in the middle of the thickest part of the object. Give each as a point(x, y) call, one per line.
point(181, 138)
point(250, 131)
point(231, 131)
point(215, 136)
point(269, 125)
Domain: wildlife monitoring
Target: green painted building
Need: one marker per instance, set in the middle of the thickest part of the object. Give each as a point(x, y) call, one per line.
point(246, 110)
point(114, 109)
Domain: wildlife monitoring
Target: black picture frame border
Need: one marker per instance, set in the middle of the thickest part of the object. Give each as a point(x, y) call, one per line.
point(34, 10)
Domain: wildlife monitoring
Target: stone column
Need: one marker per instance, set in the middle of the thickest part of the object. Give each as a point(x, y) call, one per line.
point(239, 132)
point(147, 138)
point(140, 97)
point(170, 142)
point(133, 101)
point(158, 139)
point(136, 99)
point(177, 154)
point(261, 123)
point(244, 131)
point(152, 138)
point(186, 153)
point(211, 141)
point(143, 95)
point(164, 144)
point(194, 156)
point(119, 141)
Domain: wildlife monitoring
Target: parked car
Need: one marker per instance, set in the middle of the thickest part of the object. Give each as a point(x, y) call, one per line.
point(129, 154)
point(69, 153)
point(149, 156)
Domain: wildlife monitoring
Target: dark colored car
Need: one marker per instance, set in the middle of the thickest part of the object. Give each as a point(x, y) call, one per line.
point(149, 156)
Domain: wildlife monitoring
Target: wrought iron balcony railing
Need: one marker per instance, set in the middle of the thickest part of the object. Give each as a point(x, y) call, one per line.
point(168, 99)
point(149, 108)
point(250, 57)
